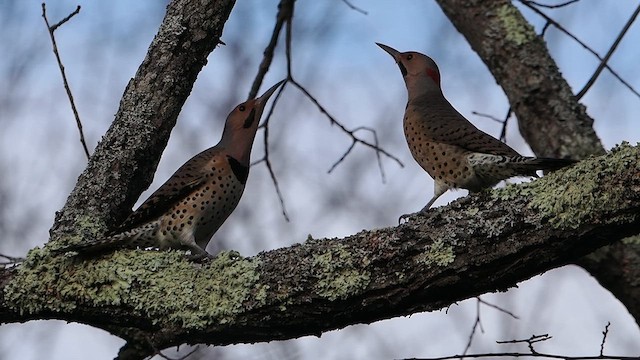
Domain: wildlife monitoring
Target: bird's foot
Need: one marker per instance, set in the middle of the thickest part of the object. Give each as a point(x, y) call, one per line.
point(200, 257)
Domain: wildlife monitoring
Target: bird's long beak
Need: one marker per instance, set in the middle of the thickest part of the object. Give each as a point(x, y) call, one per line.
point(393, 52)
point(267, 94)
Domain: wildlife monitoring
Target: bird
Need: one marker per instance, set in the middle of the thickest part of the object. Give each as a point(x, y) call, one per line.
point(187, 210)
point(446, 145)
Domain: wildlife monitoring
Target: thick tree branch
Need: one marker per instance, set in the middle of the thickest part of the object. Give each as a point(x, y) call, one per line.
point(125, 160)
point(478, 244)
point(550, 119)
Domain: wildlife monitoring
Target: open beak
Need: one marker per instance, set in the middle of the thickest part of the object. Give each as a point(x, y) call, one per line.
point(267, 94)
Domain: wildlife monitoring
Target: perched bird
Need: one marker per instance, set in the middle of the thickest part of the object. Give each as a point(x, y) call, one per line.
point(189, 208)
point(445, 144)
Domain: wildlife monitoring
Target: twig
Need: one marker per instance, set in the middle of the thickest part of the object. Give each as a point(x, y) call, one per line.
point(504, 122)
point(604, 61)
point(354, 141)
point(530, 341)
point(553, 6)
point(51, 29)
point(351, 133)
point(285, 12)
point(585, 46)
point(604, 337)
point(353, 7)
point(265, 158)
point(502, 310)
point(477, 324)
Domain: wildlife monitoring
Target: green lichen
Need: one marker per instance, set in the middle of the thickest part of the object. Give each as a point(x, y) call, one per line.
point(439, 253)
point(632, 240)
point(88, 229)
point(161, 285)
point(517, 29)
point(567, 198)
point(338, 276)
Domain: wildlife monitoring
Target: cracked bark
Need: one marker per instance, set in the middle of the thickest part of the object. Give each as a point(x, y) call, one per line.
point(480, 243)
point(541, 99)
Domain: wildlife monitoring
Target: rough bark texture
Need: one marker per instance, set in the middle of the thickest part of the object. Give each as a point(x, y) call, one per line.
point(475, 245)
point(124, 162)
point(549, 116)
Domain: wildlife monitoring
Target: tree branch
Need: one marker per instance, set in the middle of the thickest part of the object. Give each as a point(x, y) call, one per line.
point(520, 62)
point(480, 243)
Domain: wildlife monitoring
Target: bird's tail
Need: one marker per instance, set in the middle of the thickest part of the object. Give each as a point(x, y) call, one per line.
point(494, 168)
point(129, 239)
point(523, 165)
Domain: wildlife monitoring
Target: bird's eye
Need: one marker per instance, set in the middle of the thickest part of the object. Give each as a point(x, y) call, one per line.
point(410, 56)
point(242, 108)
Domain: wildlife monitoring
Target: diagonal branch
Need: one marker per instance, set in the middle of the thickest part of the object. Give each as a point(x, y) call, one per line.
point(51, 29)
point(606, 58)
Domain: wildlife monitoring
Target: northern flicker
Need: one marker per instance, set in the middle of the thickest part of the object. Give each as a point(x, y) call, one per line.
point(445, 144)
point(193, 203)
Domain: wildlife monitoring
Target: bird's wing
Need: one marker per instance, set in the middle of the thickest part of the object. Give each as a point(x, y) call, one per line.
point(448, 126)
point(189, 177)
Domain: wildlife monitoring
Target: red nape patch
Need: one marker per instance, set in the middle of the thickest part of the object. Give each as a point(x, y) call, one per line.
point(433, 74)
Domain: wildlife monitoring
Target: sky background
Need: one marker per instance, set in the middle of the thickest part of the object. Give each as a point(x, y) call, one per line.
point(335, 58)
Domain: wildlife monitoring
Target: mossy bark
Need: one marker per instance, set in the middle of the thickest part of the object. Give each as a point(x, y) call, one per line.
point(478, 244)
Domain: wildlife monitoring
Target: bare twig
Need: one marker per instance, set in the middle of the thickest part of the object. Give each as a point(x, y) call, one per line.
point(496, 307)
point(353, 7)
point(606, 58)
point(353, 144)
point(530, 341)
point(553, 6)
point(265, 158)
point(51, 29)
point(476, 324)
point(585, 46)
point(504, 122)
point(604, 337)
point(284, 19)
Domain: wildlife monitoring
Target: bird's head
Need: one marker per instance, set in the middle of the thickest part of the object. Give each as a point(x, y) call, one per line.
point(242, 124)
point(418, 70)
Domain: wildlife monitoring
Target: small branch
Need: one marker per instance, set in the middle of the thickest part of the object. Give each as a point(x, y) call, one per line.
point(585, 46)
point(504, 311)
point(553, 6)
point(530, 341)
point(353, 144)
point(353, 7)
point(265, 158)
point(604, 337)
point(351, 133)
point(476, 324)
point(504, 122)
point(51, 29)
point(606, 58)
